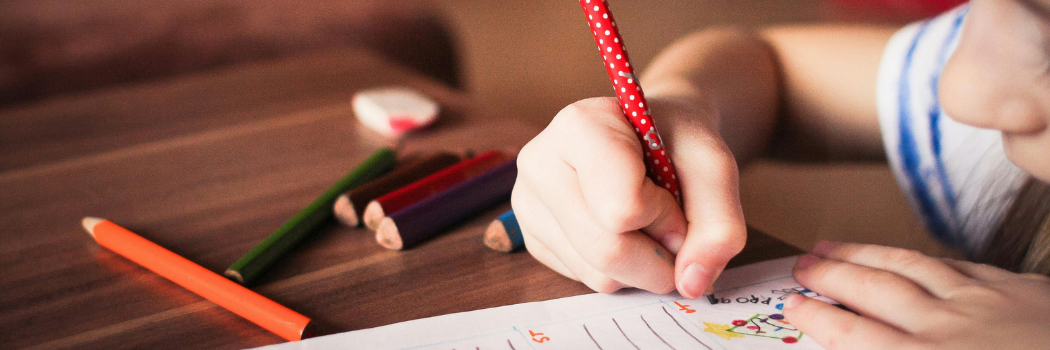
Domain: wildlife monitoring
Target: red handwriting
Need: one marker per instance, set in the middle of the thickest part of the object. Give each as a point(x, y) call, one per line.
point(538, 337)
point(684, 308)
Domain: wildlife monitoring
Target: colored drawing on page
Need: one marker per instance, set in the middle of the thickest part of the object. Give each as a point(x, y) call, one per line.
point(769, 326)
point(721, 330)
point(783, 293)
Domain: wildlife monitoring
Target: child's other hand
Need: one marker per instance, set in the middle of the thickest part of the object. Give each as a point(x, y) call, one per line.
point(907, 300)
point(588, 211)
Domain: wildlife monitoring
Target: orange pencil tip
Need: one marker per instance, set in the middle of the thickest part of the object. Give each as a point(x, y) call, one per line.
point(89, 223)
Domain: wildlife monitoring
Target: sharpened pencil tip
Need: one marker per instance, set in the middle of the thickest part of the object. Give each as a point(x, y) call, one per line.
point(373, 215)
point(711, 299)
point(388, 236)
point(344, 211)
point(89, 223)
point(496, 237)
point(235, 276)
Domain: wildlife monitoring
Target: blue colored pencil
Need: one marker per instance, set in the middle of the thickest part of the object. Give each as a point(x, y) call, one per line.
point(504, 234)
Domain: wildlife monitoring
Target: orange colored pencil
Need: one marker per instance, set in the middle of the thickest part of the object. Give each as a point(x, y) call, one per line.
point(264, 312)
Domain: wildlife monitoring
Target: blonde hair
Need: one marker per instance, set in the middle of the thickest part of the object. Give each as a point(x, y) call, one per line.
point(1022, 242)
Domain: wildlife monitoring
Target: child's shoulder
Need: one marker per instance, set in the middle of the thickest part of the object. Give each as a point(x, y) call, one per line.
point(957, 177)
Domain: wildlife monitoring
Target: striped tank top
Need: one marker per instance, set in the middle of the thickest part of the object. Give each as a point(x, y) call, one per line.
point(956, 177)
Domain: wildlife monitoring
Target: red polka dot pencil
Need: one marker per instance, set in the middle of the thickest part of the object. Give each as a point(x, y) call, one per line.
point(632, 99)
point(629, 93)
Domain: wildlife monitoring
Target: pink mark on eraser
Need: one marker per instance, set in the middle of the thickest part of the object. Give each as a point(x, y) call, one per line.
point(394, 111)
point(402, 124)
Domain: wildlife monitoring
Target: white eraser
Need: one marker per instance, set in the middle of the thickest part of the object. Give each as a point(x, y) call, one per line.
point(394, 110)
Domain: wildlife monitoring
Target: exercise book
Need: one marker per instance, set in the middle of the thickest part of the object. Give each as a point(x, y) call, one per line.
point(748, 316)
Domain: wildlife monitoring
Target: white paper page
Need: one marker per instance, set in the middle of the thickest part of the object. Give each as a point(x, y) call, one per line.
point(748, 317)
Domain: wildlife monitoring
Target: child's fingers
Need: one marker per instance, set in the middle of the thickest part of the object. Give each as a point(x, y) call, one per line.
point(930, 273)
point(669, 225)
point(524, 205)
point(599, 144)
point(631, 258)
point(538, 224)
point(545, 256)
point(978, 271)
point(606, 156)
point(834, 328)
point(872, 292)
point(716, 230)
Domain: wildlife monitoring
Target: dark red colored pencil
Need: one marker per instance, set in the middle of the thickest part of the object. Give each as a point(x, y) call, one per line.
point(428, 186)
point(418, 222)
point(350, 206)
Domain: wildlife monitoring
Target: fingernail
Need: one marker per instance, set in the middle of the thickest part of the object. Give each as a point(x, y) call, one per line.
point(806, 261)
point(690, 285)
point(793, 300)
point(822, 248)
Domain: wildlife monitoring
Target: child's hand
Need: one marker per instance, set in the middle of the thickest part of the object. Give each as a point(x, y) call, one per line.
point(588, 211)
point(907, 300)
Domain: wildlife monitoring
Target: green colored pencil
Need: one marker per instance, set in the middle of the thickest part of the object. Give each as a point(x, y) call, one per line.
point(249, 267)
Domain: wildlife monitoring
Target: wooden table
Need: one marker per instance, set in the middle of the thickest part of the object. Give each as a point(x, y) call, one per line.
point(207, 166)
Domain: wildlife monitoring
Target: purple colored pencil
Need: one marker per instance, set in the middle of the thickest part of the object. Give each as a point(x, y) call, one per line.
point(424, 219)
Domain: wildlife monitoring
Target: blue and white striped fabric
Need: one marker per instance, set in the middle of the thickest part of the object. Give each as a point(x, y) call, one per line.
point(957, 177)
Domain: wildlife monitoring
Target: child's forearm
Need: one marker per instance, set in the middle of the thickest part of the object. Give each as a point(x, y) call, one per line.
point(800, 92)
point(731, 72)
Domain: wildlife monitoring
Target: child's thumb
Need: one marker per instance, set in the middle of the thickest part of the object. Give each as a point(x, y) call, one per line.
point(716, 230)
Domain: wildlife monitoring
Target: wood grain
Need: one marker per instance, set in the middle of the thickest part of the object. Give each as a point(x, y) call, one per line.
point(52, 47)
point(66, 127)
point(207, 166)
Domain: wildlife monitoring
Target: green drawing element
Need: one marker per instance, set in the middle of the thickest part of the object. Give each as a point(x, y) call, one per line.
point(761, 321)
point(304, 224)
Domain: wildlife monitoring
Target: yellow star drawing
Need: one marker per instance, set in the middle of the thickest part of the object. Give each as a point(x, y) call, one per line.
point(721, 330)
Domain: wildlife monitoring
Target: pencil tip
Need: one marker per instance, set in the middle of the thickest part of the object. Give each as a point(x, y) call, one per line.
point(496, 237)
point(388, 236)
point(344, 211)
point(373, 215)
point(89, 223)
point(235, 276)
